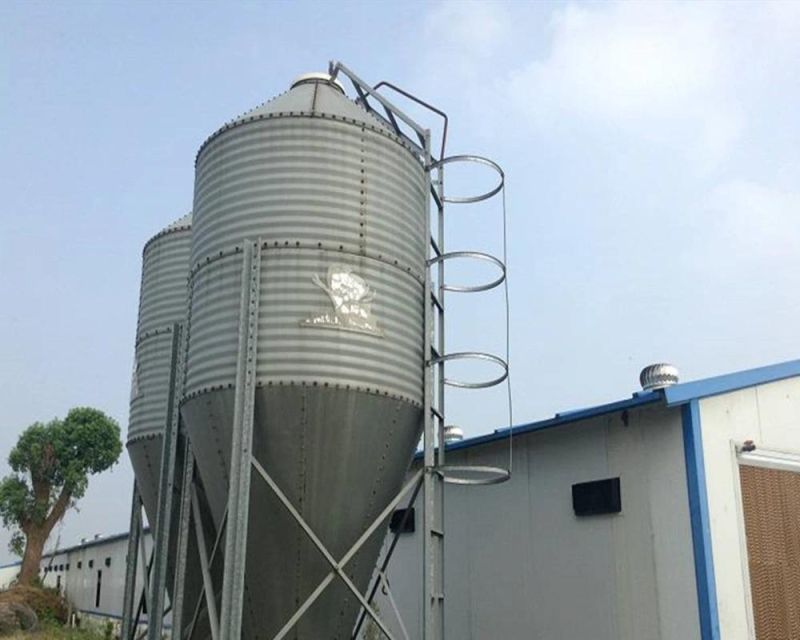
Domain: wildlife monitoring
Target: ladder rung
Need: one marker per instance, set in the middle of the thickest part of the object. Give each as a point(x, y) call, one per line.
point(437, 532)
point(434, 353)
point(435, 247)
point(436, 301)
point(437, 413)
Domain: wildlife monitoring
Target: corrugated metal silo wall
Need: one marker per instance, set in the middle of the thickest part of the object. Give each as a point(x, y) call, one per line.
point(334, 201)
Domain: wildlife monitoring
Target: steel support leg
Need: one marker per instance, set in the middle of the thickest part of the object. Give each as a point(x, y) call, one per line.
point(131, 562)
point(161, 535)
point(233, 582)
point(211, 557)
point(182, 546)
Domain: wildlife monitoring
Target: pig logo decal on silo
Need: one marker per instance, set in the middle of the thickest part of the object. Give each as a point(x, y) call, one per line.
point(352, 302)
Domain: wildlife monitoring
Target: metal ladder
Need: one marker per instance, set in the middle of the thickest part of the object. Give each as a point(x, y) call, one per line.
point(436, 472)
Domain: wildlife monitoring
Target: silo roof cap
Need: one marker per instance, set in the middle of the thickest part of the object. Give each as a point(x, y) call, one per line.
point(314, 94)
point(184, 223)
point(317, 76)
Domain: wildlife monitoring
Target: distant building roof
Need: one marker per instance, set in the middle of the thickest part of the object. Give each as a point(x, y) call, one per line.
point(670, 396)
point(94, 542)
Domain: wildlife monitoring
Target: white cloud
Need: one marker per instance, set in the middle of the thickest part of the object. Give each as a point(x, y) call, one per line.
point(659, 71)
point(689, 77)
point(629, 61)
point(754, 224)
point(462, 42)
point(468, 28)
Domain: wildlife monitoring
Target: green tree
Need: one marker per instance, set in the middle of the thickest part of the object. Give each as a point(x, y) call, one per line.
point(52, 463)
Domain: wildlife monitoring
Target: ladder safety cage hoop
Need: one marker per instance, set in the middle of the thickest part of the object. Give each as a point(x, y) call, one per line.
point(472, 355)
point(478, 160)
point(473, 475)
point(474, 255)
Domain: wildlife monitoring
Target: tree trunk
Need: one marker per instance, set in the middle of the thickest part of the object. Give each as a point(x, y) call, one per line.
point(34, 546)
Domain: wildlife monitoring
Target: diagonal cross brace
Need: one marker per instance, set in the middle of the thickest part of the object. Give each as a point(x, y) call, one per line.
point(414, 483)
point(387, 558)
point(211, 557)
point(337, 567)
point(211, 605)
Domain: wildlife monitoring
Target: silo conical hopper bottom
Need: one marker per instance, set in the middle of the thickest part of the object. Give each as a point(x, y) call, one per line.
point(145, 455)
point(336, 454)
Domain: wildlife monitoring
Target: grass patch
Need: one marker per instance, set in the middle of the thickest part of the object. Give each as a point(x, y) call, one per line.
point(57, 632)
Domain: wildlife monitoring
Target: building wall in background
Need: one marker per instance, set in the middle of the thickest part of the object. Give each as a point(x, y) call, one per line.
point(8, 573)
point(75, 572)
point(519, 563)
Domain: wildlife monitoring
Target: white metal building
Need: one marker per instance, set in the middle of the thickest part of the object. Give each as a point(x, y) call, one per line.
point(91, 574)
point(691, 525)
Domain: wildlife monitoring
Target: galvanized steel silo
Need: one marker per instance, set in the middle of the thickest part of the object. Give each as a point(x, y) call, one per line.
point(162, 302)
point(338, 203)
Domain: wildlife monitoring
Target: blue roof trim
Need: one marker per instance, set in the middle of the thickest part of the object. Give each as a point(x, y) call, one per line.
point(648, 397)
point(701, 526)
point(678, 394)
point(687, 391)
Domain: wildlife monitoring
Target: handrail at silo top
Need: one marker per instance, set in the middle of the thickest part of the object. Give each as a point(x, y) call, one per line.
point(475, 255)
point(426, 105)
point(335, 67)
point(479, 160)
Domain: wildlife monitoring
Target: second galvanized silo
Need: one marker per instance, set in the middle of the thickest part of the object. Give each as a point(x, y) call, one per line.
point(162, 302)
point(337, 204)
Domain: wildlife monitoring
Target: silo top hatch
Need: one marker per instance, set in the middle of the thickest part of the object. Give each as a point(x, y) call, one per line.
point(316, 76)
point(311, 94)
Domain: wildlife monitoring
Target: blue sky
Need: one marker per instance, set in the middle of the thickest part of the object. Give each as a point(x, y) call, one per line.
point(651, 153)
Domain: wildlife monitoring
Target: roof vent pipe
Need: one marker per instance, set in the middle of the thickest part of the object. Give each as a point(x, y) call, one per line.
point(658, 376)
point(452, 433)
